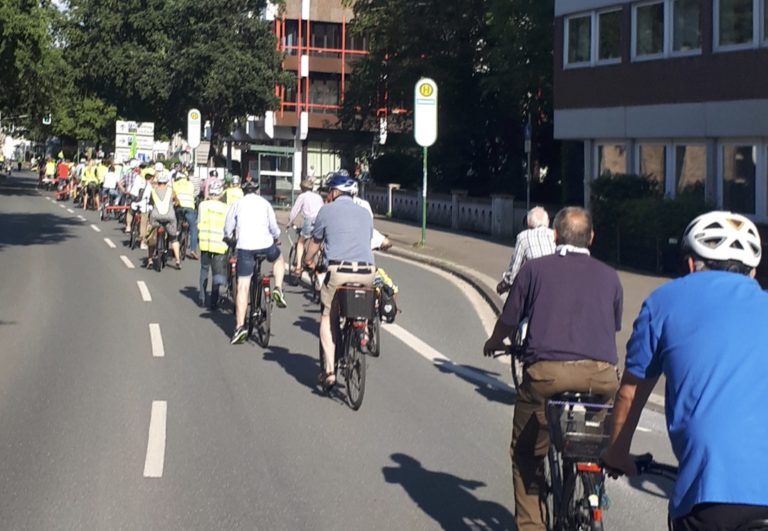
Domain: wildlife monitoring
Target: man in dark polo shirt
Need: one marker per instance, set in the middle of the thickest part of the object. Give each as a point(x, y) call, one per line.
point(573, 303)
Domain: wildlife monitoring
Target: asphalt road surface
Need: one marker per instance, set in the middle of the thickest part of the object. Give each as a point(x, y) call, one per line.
point(123, 413)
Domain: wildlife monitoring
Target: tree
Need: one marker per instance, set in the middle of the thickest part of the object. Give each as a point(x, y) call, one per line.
point(154, 60)
point(492, 61)
point(27, 56)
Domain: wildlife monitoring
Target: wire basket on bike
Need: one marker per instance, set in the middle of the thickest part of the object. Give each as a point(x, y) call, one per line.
point(579, 430)
point(356, 301)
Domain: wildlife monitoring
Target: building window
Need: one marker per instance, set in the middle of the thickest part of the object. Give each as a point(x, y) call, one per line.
point(325, 35)
point(739, 171)
point(578, 40)
point(291, 37)
point(611, 159)
point(652, 162)
point(356, 41)
point(324, 90)
point(609, 36)
point(690, 169)
point(649, 30)
point(686, 25)
point(735, 23)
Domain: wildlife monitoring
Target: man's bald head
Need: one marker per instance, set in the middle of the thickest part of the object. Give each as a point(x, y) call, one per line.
point(573, 226)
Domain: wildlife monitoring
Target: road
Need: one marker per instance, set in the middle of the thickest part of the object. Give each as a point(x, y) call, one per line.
point(105, 427)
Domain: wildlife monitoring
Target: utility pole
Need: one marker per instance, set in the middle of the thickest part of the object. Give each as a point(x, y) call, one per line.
point(528, 170)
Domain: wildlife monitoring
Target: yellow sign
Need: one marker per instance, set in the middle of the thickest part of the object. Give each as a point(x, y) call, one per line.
point(194, 115)
point(425, 90)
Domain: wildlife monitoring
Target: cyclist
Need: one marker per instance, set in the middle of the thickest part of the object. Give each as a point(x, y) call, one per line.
point(126, 186)
point(233, 191)
point(378, 241)
point(706, 333)
point(213, 176)
point(346, 230)
point(537, 240)
point(308, 204)
point(184, 191)
point(50, 171)
point(142, 191)
point(111, 192)
point(573, 303)
point(162, 213)
point(90, 184)
point(211, 219)
point(251, 221)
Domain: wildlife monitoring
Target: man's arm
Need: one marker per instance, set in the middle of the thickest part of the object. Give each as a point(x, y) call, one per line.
point(296, 209)
point(511, 315)
point(230, 221)
point(631, 398)
point(516, 262)
point(318, 234)
point(274, 230)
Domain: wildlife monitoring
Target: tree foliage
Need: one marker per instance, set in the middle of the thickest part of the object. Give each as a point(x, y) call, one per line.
point(155, 59)
point(492, 61)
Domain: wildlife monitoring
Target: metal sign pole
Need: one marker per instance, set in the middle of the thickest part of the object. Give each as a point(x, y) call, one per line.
point(424, 202)
point(528, 173)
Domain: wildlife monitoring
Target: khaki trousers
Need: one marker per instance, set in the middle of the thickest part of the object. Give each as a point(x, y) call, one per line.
point(530, 436)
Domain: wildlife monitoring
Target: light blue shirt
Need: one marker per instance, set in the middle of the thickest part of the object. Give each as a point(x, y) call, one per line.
point(708, 334)
point(346, 229)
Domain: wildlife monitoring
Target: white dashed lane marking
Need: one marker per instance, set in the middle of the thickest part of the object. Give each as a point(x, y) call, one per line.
point(81, 218)
point(127, 262)
point(157, 340)
point(153, 464)
point(110, 243)
point(70, 211)
point(145, 296)
point(94, 227)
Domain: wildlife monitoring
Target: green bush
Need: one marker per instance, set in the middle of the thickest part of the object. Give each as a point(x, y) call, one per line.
point(636, 226)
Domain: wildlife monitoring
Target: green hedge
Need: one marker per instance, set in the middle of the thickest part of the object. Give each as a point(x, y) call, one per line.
point(636, 226)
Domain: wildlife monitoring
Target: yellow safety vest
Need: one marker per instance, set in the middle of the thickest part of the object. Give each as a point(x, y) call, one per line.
point(185, 192)
point(233, 194)
point(210, 224)
point(163, 205)
point(101, 172)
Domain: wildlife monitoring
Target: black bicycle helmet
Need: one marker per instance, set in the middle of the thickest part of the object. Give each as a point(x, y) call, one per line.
point(250, 187)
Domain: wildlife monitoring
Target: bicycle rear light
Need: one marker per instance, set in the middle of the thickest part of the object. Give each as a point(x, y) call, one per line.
point(265, 281)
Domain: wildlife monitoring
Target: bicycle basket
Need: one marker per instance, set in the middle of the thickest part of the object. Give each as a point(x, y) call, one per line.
point(356, 302)
point(579, 430)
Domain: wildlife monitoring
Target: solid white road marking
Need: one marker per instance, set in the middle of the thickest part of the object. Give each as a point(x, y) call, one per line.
point(81, 218)
point(127, 262)
point(145, 296)
point(110, 243)
point(442, 361)
point(157, 340)
point(70, 211)
point(62, 206)
point(94, 227)
point(153, 464)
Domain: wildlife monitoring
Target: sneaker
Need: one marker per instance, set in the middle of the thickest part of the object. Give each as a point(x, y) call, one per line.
point(239, 336)
point(277, 296)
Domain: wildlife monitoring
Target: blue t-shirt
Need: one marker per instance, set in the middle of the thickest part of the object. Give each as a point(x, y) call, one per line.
point(708, 334)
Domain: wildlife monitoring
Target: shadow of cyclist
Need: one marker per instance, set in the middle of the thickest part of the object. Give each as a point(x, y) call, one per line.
point(303, 368)
point(481, 379)
point(447, 498)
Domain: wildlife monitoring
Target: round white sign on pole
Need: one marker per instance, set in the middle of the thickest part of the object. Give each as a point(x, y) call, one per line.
point(425, 112)
point(193, 128)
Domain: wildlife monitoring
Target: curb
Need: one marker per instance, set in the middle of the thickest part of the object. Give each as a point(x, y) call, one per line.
point(461, 272)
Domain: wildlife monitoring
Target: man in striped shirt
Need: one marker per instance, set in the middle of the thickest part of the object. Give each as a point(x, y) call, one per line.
point(538, 240)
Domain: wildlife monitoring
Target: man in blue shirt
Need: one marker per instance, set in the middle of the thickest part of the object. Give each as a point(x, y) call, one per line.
point(346, 230)
point(707, 333)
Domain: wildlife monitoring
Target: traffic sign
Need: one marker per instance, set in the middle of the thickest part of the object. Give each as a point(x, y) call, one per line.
point(193, 128)
point(425, 112)
point(47, 119)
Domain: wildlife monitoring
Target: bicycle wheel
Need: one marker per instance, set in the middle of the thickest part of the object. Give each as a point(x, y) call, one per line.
point(315, 290)
point(354, 368)
point(374, 332)
point(265, 319)
point(183, 238)
point(552, 494)
point(293, 279)
point(159, 259)
point(253, 296)
point(517, 370)
point(578, 514)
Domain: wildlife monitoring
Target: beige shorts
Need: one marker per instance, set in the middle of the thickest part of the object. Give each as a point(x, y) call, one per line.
point(339, 275)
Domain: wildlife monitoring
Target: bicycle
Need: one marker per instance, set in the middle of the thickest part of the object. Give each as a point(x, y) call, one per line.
point(646, 465)
point(160, 256)
point(574, 493)
point(135, 230)
point(259, 311)
point(311, 271)
point(352, 308)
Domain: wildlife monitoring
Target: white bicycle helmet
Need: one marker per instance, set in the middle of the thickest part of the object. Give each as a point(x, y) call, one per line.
point(723, 236)
point(159, 166)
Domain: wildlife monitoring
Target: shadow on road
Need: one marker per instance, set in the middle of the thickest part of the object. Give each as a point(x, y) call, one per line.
point(308, 324)
point(222, 317)
point(656, 486)
point(447, 498)
point(303, 368)
point(470, 374)
point(34, 229)
point(18, 186)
